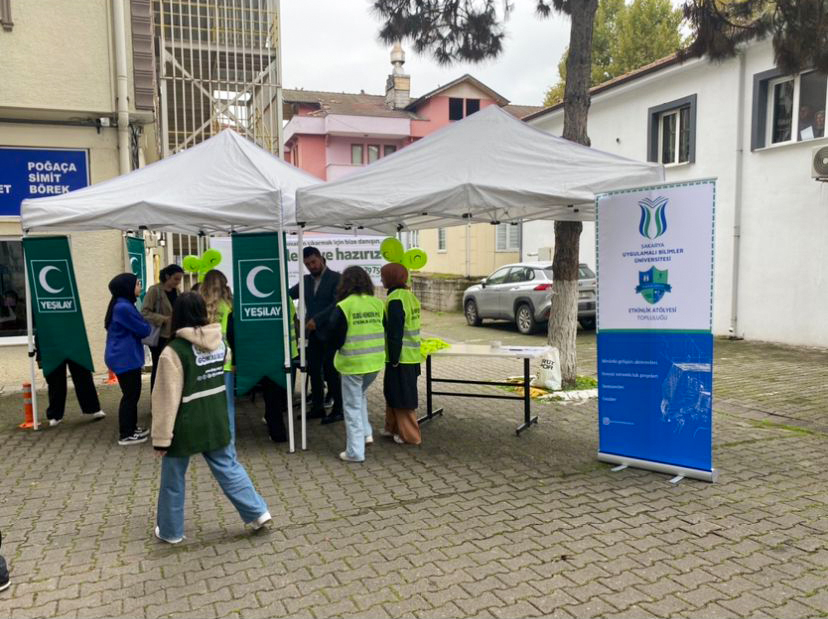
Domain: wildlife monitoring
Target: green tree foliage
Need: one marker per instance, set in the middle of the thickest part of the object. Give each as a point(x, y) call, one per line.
point(626, 37)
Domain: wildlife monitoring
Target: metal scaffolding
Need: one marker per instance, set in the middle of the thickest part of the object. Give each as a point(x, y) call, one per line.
point(219, 67)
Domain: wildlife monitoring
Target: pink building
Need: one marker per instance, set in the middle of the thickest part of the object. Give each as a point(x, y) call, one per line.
point(331, 134)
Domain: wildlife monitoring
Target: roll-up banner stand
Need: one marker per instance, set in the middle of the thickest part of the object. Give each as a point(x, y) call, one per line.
point(136, 256)
point(655, 343)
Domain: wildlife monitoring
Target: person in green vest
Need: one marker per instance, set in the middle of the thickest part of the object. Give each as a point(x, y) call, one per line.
point(357, 333)
point(402, 362)
point(189, 416)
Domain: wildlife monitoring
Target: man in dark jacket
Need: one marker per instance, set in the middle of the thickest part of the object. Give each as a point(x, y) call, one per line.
point(320, 300)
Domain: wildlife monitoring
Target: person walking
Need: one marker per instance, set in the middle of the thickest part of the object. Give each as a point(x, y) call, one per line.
point(157, 309)
point(402, 362)
point(125, 328)
point(358, 336)
point(320, 299)
point(190, 417)
point(5, 581)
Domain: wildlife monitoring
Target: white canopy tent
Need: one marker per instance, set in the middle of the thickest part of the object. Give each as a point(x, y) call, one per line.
point(225, 184)
point(489, 167)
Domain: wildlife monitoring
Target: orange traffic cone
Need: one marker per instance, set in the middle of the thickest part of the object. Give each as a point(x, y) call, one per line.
point(27, 406)
point(112, 379)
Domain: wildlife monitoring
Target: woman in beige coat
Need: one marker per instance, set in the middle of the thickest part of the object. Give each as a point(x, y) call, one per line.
point(157, 310)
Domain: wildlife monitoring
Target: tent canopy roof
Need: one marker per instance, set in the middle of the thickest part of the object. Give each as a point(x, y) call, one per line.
point(225, 183)
point(489, 167)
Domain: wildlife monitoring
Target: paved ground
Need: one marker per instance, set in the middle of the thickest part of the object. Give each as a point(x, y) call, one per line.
point(476, 522)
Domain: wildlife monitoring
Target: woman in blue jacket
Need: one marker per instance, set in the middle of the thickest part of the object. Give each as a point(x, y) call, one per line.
point(125, 328)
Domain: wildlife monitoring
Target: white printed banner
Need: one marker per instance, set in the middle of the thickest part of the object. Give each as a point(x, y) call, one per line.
point(655, 258)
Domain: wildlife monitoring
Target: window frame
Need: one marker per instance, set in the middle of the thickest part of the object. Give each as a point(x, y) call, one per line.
point(466, 107)
point(16, 340)
point(762, 109)
point(462, 104)
point(386, 151)
point(442, 243)
point(378, 148)
point(361, 148)
point(654, 128)
point(507, 269)
point(507, 248)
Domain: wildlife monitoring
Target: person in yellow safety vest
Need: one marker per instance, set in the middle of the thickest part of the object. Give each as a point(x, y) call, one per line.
point(402, 361)
point(357, 333)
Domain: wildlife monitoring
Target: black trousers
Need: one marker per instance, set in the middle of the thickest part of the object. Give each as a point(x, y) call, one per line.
point(130, 383)
point(321, 369)
point(275, 401)
point(155, 352)
point(84, 390)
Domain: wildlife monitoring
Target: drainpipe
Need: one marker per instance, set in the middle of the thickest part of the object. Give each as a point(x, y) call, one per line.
point(119, 27)
point(737, 200)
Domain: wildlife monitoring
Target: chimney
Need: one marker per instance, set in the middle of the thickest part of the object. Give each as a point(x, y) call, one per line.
point(398, 84)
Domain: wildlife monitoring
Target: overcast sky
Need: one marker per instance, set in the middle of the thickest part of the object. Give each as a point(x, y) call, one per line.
point(332, 45)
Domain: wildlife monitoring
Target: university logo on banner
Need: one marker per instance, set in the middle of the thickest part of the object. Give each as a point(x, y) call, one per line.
point(52, 283)
point(259, 294)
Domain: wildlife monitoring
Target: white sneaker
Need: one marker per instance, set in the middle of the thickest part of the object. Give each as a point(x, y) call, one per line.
point(54, 422)
point(142, 432)
point(98, 415)
point(132, 440)
point(345, 457)
point(398, 440)
point(261, 521)
point(369, 440)
point(169, 541)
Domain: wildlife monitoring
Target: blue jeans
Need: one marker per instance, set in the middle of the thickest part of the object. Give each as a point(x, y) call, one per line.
point(230, 388)
point(230, 475)
point(355, 410)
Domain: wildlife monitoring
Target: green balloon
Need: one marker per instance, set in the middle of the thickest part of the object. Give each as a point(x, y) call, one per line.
point(414, 259)
point(191, 264)
point(210, 259)
point(392, 250)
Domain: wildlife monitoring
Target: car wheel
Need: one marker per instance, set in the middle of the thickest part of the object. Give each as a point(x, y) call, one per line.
point(588, 324)
point(525, 319)
point(472, 317)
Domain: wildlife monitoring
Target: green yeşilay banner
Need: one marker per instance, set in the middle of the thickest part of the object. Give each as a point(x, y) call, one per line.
point(137, 263)
point(257, 311)
point(56, 308)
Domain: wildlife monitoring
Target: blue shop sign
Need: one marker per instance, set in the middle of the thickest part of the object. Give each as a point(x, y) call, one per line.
point(36, 173)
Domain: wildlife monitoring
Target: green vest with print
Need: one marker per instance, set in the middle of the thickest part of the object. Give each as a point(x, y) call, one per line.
point(364, 348)
point(201, 423)
point(294, 342)
point(411, 330)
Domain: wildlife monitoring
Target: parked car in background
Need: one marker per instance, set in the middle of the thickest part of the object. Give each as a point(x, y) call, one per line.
point(522, 293)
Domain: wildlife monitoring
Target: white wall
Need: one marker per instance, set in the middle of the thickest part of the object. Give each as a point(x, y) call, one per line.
point(783, 273)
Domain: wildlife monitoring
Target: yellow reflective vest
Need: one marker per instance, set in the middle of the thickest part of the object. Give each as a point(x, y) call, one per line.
point(364, 349)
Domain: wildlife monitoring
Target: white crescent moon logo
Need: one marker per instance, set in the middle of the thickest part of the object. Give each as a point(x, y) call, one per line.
point(133, 260)
point(251, 282)
point(42, 279)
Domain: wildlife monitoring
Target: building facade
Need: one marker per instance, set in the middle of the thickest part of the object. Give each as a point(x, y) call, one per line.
point(59, 104)
point(331, 135)
point(754, 130)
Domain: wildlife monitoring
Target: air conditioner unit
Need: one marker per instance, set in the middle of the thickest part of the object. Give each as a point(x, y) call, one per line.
point(545, 254)
point(819, 163)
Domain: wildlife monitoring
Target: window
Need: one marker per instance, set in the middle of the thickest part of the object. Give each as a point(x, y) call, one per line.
point(584, 272)
point(671, 136)
point(412, 239)
point(498, 277)
point(356, 154)
point(12, 289)
point(507, 237)
point(441, 239)
point(389, 149)
point(6, 15)
point(788, 108)
point(234, 111)
point(373, 152)
point(520, 274)
point(472, 106)
point(455, 109)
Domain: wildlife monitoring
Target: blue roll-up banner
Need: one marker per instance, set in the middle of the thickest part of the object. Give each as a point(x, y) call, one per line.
point(655, 341)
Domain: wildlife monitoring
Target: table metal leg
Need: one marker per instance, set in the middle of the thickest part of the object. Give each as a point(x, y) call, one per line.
point(430, 412)
point(528, 420)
